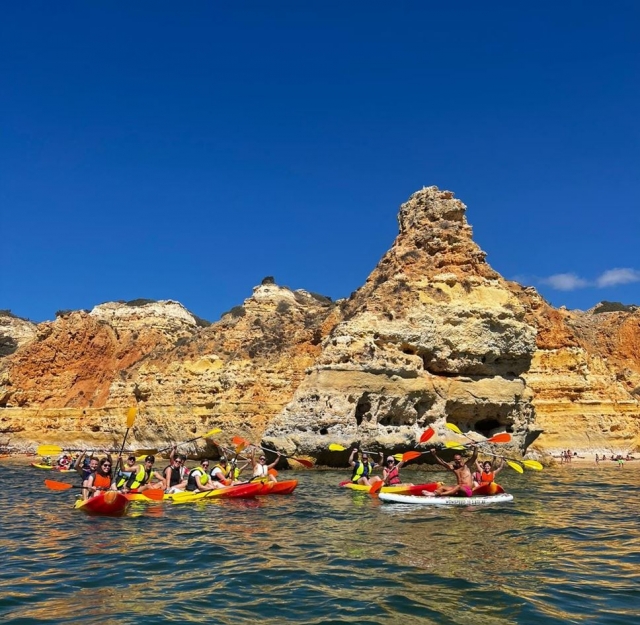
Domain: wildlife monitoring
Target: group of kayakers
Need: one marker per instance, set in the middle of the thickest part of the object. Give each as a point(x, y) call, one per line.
point(466, 481)
point(100, 474)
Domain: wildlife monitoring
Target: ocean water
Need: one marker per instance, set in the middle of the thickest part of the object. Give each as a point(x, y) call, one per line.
point(567, 550)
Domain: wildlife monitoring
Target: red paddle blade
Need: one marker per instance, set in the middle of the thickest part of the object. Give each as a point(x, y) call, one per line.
point(505, 437)
point(238, 440)
point(427, 434)
point(410, 455)
point(57, 485)
point(376, 487)
point(304, 463)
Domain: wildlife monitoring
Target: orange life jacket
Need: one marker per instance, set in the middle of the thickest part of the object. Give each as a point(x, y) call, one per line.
point(487, 478)
point(101, 481)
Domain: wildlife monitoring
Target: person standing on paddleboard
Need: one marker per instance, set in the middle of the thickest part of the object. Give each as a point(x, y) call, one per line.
point(464, 487)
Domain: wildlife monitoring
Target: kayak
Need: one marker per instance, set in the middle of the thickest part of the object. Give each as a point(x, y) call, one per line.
point(136, 496)
point(479, 500)
point(108, 503)
point(278, 488)
point(404, 489)
point(228, 492)
point(50, 467)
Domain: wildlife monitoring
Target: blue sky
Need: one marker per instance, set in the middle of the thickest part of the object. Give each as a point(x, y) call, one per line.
point(187, 150)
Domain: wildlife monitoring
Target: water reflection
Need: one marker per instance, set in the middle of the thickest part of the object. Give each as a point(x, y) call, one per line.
point(327, 555)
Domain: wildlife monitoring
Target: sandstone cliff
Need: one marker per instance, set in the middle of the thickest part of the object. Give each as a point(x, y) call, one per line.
point(434, 333)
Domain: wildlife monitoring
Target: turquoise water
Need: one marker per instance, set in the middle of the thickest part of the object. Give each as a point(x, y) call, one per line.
point(565, 551)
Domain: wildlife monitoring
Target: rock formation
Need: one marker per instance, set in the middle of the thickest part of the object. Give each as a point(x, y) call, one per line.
point(434, 333)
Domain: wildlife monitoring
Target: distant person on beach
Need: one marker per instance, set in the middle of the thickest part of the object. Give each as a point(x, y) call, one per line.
point(464, 487)
point(363, 468)
point(597, 460)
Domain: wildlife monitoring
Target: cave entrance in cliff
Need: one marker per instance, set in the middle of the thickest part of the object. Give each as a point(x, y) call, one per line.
point(486, 427)
point(363, 407)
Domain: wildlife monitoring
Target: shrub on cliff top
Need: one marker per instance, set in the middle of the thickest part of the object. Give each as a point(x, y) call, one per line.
point(604, 307)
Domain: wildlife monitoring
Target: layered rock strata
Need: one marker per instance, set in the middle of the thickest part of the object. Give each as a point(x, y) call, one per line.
point(434, 334)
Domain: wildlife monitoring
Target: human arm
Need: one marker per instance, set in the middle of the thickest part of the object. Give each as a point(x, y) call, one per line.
point(440, 461)
point(80, 462)
point(352, 462)
point(275, 462)
point(500, 467)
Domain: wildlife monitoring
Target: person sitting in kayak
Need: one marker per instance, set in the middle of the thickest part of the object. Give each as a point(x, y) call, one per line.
point(63, 462)
point(391, 472)
point(464, 487)
point(86, 466)
point(175, 475)
point(224, 473)
point(143, 477)
point(261, 468)
point(486, 474)
point(99, 481)
point(363, 469)
point(199, 480)
point(124, 472)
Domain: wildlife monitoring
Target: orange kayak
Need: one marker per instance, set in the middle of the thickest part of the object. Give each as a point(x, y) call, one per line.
point(108, 503)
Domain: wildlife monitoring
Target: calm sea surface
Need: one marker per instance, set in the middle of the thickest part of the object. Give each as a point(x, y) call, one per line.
point(567, 550)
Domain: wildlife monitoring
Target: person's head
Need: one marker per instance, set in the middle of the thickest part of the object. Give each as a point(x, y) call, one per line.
point(223, 460)
point(93, 464)
point(177, 460)
point(486, 465)
point(149, 460)
point(457, 460)
point(131, 459)
point(365, 456)
point(204, 463)
point(105, 465)
point(262, 459)
point(391, 461)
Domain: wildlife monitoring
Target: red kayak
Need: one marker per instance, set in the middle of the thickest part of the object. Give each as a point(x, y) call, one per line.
point(488, 489)
point(278, 488)
point(108, 503)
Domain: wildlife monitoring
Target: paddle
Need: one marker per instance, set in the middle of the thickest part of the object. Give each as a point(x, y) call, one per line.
point(131, 417)
point(303, 461)
point(427, 434)
point(529, 464)
point(157, 494)
point(503, 437)
point(53, 450)
point(191, 440)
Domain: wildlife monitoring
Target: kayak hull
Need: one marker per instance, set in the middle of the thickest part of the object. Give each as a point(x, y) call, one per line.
point(278, 488)
point(474, 500)
point(228, 492)
point(404, 489)
point(109, 503)
point(50, 467)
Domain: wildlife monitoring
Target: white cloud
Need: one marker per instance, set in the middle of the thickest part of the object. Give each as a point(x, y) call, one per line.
point(565, 282)
point(613, 277)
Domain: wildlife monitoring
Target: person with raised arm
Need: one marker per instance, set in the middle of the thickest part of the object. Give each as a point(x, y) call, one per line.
point(363, 469)
point(464, 486)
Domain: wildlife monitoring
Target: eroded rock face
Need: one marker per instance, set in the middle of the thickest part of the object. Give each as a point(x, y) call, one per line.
point(585, 376)
point(433, 334)
point(14, 333)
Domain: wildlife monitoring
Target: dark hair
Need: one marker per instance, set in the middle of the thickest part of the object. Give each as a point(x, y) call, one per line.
point(150, 459)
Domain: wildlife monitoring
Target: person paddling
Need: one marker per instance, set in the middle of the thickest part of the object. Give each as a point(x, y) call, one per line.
point(141, 476)
point(363, 469)
point(464, 487)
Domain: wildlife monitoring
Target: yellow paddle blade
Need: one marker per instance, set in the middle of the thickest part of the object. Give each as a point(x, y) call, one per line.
point(454, 428)
point(454, 445)
point(48, 450)
point(398, 457)
point(515, 466)
point(211, 433)
point(336, 447)
point(533, 464)
point(131, 416)
point(241, 446)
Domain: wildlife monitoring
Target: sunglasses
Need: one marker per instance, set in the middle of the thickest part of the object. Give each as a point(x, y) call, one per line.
point(262, 459)
point(205, 464)
point(106, 464)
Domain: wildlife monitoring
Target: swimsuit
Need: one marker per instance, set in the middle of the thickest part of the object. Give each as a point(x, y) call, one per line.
point(467, 490)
